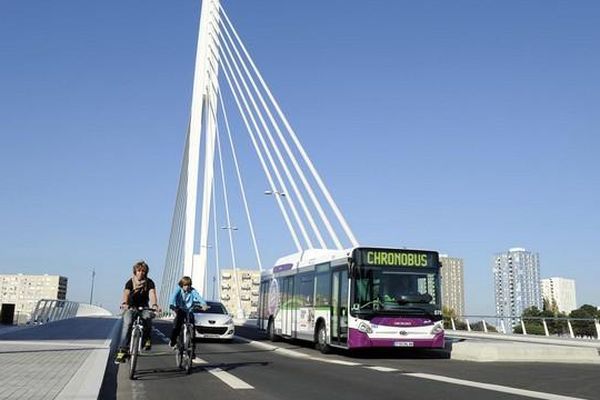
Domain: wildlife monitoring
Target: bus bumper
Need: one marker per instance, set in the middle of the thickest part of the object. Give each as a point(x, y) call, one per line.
point(358, 339)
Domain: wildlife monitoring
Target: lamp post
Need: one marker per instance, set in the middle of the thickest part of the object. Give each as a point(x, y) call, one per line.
point(230, 228)
point(275, 192)
point(92, 290)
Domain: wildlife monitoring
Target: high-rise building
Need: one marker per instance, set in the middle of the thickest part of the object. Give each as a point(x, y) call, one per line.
point(20, 293)
point(239, 292)
point(453, 283)
point(560, 292)
point(516, 282)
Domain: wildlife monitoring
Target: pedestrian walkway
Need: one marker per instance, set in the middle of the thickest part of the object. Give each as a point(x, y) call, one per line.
point(60, 360)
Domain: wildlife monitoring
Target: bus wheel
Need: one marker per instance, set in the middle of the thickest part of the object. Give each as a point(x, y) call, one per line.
point(322, 345)
point(271, 331)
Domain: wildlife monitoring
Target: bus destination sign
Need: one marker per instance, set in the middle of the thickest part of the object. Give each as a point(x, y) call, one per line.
point(396, 258)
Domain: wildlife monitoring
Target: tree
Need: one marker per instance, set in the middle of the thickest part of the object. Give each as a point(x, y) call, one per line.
point(585, 328)
point(449, 314)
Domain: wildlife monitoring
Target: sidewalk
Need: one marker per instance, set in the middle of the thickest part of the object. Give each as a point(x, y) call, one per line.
point(60, 360)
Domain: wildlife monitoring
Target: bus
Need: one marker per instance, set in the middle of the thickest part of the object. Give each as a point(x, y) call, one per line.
point(364, 297)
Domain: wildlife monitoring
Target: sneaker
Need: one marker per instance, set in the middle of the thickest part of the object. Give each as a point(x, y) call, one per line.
point(148, 344)
point(121, 356)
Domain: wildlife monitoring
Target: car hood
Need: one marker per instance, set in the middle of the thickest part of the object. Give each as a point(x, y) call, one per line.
point(204, 319)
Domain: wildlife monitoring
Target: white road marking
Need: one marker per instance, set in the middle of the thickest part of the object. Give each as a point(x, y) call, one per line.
point(231, 380)
point(496, 388)
point(334, 361)
point(480, 385)
point(383, 369)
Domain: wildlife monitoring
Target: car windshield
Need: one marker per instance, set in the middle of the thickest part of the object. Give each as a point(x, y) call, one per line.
point(214, 308)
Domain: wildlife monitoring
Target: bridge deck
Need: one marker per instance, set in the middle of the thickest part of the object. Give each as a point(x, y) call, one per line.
point(61, 360)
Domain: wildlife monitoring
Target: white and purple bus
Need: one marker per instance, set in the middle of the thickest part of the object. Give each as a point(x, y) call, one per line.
point(358, 298)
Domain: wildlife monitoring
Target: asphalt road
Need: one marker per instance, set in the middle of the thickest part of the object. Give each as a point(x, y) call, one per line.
point(252, 368)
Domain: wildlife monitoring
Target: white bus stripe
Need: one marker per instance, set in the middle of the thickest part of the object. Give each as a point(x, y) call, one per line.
point(496, 388)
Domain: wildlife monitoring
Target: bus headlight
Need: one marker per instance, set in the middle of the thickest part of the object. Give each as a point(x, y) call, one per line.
point(364, 327)
point(437, 328)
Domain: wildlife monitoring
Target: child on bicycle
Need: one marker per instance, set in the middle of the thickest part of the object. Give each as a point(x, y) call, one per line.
point(139, 291)
point(183, 300)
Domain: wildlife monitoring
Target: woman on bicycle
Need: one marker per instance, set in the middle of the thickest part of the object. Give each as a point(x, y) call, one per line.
point(139, 291)
point(183, 300)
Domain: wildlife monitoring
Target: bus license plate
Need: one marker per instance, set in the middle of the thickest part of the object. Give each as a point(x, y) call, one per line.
point(403, 344)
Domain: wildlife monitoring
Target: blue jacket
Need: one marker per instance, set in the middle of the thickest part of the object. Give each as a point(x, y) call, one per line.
point(185, 301)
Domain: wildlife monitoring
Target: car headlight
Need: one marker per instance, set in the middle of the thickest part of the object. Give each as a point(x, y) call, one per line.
point(364, 327)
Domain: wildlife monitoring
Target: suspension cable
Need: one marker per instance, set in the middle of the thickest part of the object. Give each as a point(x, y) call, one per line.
point(241, 183)
point(294, 137)
point(258, 151)
point(282, 139)
point(265, 145)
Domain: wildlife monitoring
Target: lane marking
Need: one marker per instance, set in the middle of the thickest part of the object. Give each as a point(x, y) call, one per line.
point(383, 369)
point(233, 381)
point(480, 385)
point(495, 388)
point(334, 361)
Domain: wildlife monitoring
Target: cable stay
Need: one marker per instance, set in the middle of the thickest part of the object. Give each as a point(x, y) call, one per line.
point(307, 208)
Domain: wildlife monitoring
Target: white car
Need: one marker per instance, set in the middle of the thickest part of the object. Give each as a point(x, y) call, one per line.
point(214, 323)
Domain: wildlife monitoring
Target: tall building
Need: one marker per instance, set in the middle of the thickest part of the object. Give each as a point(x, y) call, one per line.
point(560, 291)
point(20, 293)
point(240, 290)
point(453, 283)
point(516, 282)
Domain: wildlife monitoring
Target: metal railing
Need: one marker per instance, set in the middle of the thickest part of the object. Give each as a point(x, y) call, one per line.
point(49, 310)
point(586, 328)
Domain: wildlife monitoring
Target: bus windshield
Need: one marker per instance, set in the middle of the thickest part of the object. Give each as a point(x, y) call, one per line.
point(395, 291)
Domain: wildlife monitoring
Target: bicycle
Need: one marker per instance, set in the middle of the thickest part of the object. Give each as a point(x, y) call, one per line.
point(185, 343)
point(135, 343)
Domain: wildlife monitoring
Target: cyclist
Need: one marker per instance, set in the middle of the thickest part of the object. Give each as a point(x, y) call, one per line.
point(183, 300)
point(139, 291)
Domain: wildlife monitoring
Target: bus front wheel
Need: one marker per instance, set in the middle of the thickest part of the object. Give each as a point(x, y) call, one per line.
point(322, 345)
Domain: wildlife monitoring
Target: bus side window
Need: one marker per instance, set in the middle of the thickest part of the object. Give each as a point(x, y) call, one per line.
point(323, 289)
point(305, 285)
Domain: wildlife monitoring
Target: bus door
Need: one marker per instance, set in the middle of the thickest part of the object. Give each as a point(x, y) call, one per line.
point(339, 307)
point(288, 317)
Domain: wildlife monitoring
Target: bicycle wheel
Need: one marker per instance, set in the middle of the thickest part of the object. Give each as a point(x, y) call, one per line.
point(136, 337)
point(188, 349)
point(179, 351)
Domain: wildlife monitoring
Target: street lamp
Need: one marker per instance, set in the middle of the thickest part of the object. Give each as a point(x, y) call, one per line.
point(92, 290)
point(275, 192)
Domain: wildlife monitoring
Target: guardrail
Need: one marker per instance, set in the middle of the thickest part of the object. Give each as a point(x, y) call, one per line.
point(585, 328)
point(49, 310)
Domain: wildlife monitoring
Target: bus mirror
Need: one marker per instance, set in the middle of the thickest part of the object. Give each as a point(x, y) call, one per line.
point(355, 307)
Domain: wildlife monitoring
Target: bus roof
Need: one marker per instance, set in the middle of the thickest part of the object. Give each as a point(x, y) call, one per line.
point(311, 257)
point(317, 256)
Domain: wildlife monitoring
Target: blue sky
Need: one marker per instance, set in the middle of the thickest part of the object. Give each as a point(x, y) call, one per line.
point(468, 127)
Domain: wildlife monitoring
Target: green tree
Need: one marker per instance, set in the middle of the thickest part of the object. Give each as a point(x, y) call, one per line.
point(533, 326)
point(448, 314)
point(585, 328)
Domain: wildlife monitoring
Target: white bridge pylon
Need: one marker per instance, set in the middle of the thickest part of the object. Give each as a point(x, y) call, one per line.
point(291, 175)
